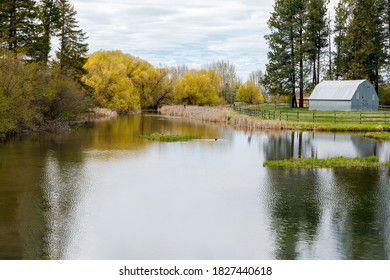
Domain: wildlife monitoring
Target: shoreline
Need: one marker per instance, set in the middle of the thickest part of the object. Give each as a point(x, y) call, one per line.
point(94, 115)
point(222, 114)
point(226, 115)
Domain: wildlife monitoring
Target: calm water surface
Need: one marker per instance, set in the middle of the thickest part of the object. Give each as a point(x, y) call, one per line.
point(102, 192)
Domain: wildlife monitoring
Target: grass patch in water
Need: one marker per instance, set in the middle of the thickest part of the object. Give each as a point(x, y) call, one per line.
point(368, 162)
point(378, 135)
point(159, 137)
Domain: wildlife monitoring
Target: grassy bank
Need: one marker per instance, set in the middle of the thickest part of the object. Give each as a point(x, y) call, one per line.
point(221, 114)
point(368, 162)
point(169, 137)
point(342, 127)
point(227, 115)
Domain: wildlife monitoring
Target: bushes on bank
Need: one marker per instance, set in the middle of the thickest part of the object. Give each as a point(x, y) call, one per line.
point(32, 94)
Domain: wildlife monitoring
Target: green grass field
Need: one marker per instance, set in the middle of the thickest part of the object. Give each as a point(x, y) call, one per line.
point(302, 118)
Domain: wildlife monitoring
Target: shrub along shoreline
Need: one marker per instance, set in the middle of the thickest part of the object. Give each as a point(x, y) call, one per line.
point(93, 115)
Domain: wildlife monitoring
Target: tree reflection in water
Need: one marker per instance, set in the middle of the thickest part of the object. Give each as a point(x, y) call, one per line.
point(327, 213)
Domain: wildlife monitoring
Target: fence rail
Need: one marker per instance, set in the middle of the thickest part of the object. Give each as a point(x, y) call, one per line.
point(316, 116)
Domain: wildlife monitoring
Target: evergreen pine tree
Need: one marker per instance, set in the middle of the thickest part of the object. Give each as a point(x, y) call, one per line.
point(316, 36)
point(73, 49)
point(287, 48)
point(278, 78)
point(48, 15)
point(18, 25)
point(360, 40)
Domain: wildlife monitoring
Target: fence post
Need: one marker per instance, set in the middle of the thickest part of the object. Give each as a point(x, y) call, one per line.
point(360, 117)
point(335, 118)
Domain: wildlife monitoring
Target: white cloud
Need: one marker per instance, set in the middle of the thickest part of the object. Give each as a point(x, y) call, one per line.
point(169, 32)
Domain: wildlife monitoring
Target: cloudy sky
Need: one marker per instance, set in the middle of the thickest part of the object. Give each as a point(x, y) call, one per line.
point(176, 32)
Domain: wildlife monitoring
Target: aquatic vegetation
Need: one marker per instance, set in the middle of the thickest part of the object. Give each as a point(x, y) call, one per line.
point(336, 162)
point(159, 137)
point(378, 135)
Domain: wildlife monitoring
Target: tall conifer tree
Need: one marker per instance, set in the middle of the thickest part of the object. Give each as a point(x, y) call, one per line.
point(280, 77)
point(316, 35)
point(360, 40)
point(18, 25)
point(73, 47)
point(48, 15)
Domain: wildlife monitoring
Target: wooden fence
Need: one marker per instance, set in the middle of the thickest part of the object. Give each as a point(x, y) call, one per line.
point(317, 116)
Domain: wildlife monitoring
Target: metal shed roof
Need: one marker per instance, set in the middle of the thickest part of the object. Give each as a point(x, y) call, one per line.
point(335, 90)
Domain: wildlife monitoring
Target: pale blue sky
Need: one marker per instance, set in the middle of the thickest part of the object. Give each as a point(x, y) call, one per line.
point(175, 32)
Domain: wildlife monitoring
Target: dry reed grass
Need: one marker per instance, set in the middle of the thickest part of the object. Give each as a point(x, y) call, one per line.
point(100, 114)
point(208, 114)
point(221, 114)
point(247, 122)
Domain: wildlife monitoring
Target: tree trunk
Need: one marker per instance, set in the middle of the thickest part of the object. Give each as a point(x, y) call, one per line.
point(300, 67)
point(293, 99)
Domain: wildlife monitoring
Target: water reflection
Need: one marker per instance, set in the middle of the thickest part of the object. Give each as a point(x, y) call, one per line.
point(360, 214)
point(295, 210)
point(103, 192)
point(328, 213)
point(322, 145)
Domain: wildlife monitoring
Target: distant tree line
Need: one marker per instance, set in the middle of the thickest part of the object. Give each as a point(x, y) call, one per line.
point(124, 83)
point(302, 52)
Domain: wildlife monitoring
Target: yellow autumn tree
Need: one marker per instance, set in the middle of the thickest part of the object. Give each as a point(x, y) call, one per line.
point(154, 86)
point(250, 93)
point(198, 88)
point(109, 74)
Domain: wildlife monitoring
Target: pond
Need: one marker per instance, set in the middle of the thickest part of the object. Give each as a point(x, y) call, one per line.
point(101, 191)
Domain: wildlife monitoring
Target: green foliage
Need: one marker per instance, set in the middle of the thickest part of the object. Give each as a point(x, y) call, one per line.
point(6, 124)
point(18, 25)
point(316, 35)
point(169, 137)
point(31, 95)
point(337, 162)
point(384, 95)
point(360, 39)
point(72, 52)
point(250, 93)
point(61, 99)
point(383, 136)
point(48, 17)
point(281, 64)
point(298, 37)
point(198, 88)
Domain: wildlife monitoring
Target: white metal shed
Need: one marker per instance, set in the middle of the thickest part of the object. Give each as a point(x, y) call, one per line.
point(344, 95)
